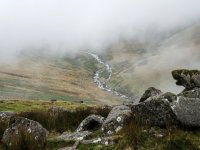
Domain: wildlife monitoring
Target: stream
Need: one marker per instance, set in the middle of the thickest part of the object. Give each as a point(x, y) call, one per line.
point(103, 84)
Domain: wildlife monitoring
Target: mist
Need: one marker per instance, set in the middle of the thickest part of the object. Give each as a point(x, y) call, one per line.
point(70, 26)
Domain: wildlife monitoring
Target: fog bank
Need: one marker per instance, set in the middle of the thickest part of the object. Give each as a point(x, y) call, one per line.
point(69, 26)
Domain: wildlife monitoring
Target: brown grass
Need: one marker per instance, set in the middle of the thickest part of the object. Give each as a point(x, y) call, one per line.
point(64, 120)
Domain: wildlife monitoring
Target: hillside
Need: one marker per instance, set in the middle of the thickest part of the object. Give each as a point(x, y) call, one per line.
point(43, 76)
point(138, 64)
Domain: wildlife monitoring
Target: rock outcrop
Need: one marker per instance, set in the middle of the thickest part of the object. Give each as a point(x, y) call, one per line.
point(116, 119)
point(90, 123)
point(187, 78)
point(24, 130)
point(155, 112)
point(150, 92)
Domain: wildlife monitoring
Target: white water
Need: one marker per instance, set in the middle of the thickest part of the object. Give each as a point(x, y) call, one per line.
point(102, 85)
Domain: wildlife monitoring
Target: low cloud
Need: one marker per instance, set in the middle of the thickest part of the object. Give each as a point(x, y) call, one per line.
point(69, 26)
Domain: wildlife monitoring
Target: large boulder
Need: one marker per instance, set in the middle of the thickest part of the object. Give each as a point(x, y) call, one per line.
point(187, 111)
point(90, 123)
point(155, 112)
point(187, 78)
point(22, 130)
point(116, 119)
point(150, 92)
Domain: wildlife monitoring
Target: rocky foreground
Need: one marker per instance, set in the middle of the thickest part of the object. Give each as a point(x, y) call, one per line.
point(155, 108)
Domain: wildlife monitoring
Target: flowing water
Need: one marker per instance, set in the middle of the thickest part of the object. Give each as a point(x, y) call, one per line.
point(103, 84)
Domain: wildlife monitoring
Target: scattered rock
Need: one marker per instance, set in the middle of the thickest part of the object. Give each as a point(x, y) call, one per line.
point(20, 127)
point(116, 119)
point(150, 92)
point(155, 112)
point(187, 78)
point(77, 136)
point(187, 111)
point(91, 122)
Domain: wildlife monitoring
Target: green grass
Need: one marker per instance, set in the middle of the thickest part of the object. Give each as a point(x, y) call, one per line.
point(28, 105)
point(56, 144)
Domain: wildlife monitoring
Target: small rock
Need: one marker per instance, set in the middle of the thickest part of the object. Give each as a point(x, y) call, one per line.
point(169, 96)
point(150, 92)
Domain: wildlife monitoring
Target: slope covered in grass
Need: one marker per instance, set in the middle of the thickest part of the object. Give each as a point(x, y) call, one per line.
point(46, 76)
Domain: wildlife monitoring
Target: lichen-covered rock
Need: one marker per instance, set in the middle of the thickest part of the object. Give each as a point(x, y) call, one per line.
point(90, 123)
point(4, 121)
point(187, 78)
point(194, 93)
point(155, 112)
point(150, 92)
point(77, 136)
point(5, 116)
point(116, 119)
point(187, 111)
point(30, 132)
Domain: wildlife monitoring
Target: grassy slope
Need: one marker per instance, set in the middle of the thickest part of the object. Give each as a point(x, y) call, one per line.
point(43, 77)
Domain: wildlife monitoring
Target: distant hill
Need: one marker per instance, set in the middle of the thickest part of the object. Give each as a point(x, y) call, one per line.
point(138, 64)
point(42, 76)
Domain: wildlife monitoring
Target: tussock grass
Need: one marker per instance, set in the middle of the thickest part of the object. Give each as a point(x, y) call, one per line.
point(3, 126)
point(23, 141)
point(63, 120)
point(135, 136)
